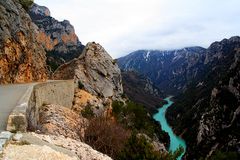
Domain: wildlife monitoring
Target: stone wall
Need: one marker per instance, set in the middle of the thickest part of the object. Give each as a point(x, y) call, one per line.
point(25, 115)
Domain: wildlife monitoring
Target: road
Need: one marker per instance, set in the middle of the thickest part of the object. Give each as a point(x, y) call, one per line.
point(9, 96)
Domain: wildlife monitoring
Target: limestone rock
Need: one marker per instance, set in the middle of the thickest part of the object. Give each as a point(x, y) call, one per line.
point(17, 137)
point(214, 113)
point(95, 70)
point(16, 152)
point(83, 99)
point(4, 137)
point(22, 58)
point(84, 151)
point(40, 10)
point(58, 120)
point(58, 38)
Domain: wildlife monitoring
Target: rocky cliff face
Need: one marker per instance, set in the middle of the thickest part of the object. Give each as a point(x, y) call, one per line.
point(171, 71)
point(61, 121)
point(140, 89)
point(22, 58)
point(208, 113)
point(94, 70)
point(219, 124)
point(58, 38)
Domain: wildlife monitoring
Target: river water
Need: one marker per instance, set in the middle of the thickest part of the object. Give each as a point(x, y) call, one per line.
point(175, 141)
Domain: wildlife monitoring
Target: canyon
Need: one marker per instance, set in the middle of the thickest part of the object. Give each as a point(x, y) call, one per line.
point(65, 100)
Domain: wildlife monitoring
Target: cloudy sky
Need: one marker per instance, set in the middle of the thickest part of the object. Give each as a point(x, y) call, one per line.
point(123, 26)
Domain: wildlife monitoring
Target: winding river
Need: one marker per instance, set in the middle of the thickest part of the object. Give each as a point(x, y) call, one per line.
point(175, 141)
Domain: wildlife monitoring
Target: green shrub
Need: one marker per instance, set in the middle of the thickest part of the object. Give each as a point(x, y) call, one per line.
point(80, 85)
point(26, 3)
point(139, 148)
point(87, 112)
point(135, 117)
point(117, 107)
point(52, 64)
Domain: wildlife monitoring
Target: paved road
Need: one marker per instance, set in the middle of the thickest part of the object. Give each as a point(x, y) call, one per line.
point(9, 96)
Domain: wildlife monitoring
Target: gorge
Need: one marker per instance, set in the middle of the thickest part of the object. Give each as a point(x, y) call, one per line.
point(81, 104)
point(205, 85)
point(175, 141)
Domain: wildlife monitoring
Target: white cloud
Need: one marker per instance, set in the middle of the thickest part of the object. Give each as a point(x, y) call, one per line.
point(122, 26)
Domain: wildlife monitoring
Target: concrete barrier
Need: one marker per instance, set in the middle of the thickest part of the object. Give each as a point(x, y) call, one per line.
point(26, 116)
point(17, 120)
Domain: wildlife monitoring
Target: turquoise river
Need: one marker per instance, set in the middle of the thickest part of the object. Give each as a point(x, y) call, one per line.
point(175, 141)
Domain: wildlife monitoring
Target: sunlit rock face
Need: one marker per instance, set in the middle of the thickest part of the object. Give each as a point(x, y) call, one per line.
point(96, 70)
point(58, 38)
point(22, 58)
point(59, 120)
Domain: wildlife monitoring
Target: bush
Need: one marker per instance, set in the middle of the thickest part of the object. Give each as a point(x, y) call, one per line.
point(80, 85)
point(87, 112)
point(26, 4)
point(106, 136)
point(52, 64)
point(139, 148)
point(114, 139)
point(117, 107)
point(135, 117)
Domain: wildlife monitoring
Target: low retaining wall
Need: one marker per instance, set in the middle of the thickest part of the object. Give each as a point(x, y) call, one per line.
point(26, 116)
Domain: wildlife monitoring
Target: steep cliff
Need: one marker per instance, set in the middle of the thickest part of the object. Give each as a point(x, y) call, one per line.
point(95, 71)
point(140, 89)
point(58, 38)
point(207, 113)
point(22, 58)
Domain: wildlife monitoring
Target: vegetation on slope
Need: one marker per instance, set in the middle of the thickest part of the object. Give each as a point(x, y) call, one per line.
point(26, 3)
point(140, 89)
point(119, 138)
point(135, 117)
point(139, 148)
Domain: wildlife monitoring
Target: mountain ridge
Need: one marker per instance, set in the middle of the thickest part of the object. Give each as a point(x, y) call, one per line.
point(206, 111)
point(57, 37)
point(157, 66)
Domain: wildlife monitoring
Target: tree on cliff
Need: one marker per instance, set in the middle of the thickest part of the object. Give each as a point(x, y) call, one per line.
point(26, 3)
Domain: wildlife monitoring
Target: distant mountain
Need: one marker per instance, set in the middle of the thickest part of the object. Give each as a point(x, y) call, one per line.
point(206, 82)
point(171, 71)
point(58, 38)
point(140, 89)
